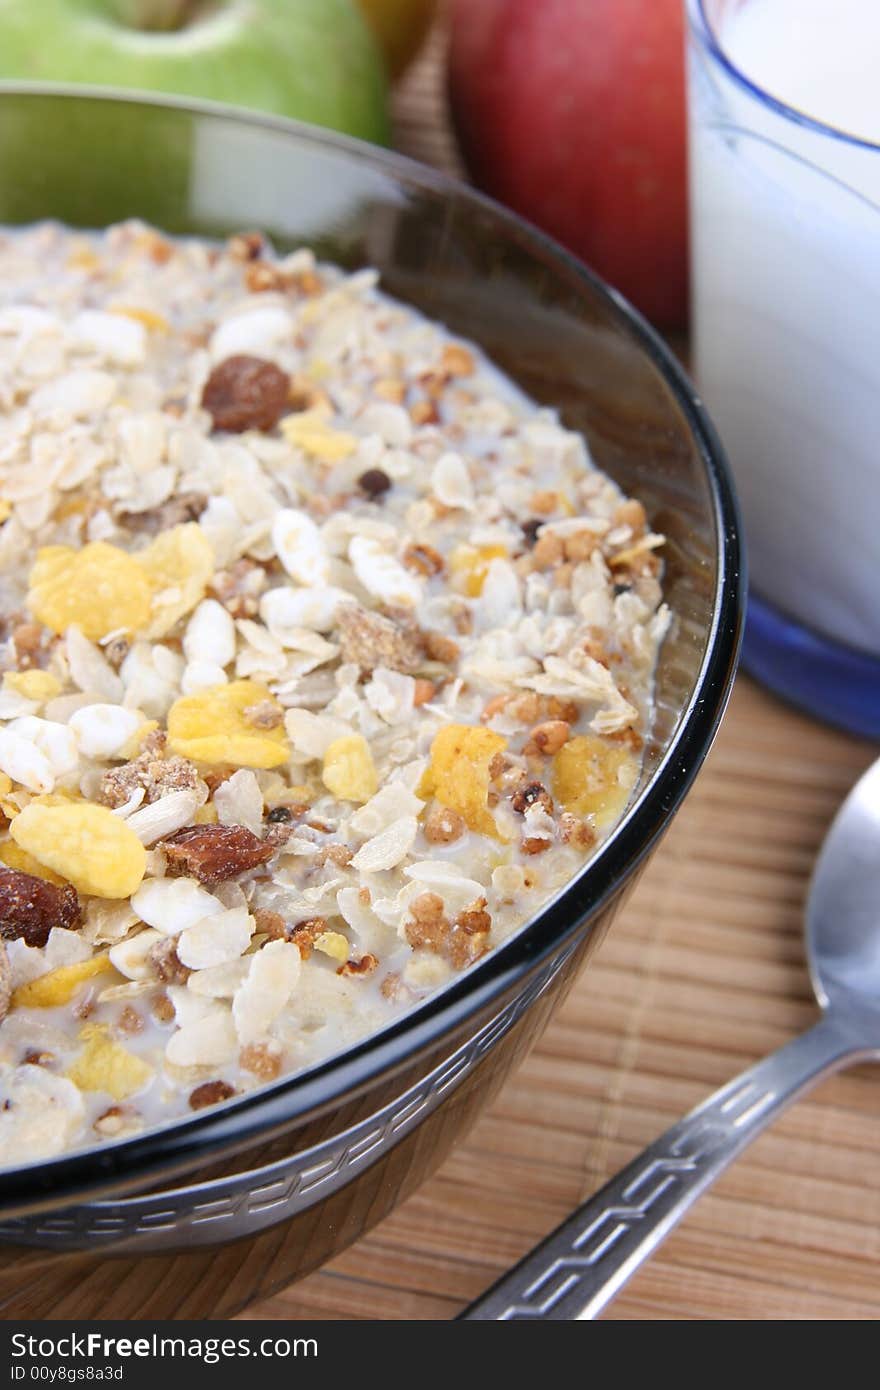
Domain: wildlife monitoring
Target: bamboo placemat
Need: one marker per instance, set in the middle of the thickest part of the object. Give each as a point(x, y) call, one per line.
point(701, 975)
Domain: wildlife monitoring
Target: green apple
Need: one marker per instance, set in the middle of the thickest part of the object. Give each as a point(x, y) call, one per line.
point(312, 59)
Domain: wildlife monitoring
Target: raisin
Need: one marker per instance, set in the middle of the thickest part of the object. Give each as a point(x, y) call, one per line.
point(245, 393)
point(209, 1093)
point(30, 907)
point(279, 814)
point(530, 530)
point(214, 853)
point(374, 482)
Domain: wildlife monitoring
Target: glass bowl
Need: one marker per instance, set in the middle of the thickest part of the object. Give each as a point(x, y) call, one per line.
point(300, 1168)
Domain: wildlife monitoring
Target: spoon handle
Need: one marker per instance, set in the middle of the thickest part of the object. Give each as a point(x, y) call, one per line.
point(578, 1269)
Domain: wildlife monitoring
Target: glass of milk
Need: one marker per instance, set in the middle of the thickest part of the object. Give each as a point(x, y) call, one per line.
point(785, 221)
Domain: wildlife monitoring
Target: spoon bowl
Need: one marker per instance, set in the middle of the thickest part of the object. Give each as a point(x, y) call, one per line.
point(842, 922)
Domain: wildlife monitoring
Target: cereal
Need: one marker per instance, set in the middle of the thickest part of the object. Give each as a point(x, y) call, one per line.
point(589, 778)
point(85, 844)
point(33, 685)
point(212, 727)
point(327, 662)
point(106, 1066)
point(458, 774)
point(348, 770)
point(100, 588)
point(59, 986)
point(308, 430)
point(178, 565)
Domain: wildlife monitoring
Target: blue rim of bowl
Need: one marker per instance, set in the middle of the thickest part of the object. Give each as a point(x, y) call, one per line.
point(177, 1147)
point(704, 31)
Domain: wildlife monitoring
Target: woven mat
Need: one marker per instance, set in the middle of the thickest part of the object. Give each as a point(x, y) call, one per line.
point(701, 975)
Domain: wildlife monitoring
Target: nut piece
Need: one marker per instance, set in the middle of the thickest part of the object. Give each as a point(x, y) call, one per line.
point(369, 640)
point(157, 776)
point(424, 559)
point(576, 832)
point(269, 923)
point(532, 794)
point(305, 934)
point(365, 966)
point(460, 943)
point(245, 393)
point(166, 963)
point(547, 738)
point(30, 907)
point(443, 825)
point(214, 853)
point(440, 648)
point(261, 1059)
point(209, 1093)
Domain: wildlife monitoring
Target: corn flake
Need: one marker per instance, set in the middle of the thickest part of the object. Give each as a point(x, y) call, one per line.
point(333, 944)
point(99, 588)
point(59, 986)
point(178, 565)
point(105, 1065)
point(210, 727)
point(470, 566)
point(33, 685)
point(308, 430)
point(349, 771)
point(593, 778)
point(86, 844)
point(458, 773)
point(153, 322)
point(14, 857)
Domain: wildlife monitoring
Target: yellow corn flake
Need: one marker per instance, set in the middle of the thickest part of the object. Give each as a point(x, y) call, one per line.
point(83, 258)
point(470, 565)
point(14, 857)
point(5, 510)
point(333, 944)
point(59, 986)
point(105, 1065)
point(205, 815)
point(33, 685)
point(349, 771)
point(178, 565)
point(100, 588)
point(7, 806)
point(593, 778)
point(86, 844)
point(458, 773)
point(308, 430)
point(210, 727)
point(153, 322)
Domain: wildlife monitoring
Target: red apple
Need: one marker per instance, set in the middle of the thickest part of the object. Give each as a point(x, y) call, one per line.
point(572, 112)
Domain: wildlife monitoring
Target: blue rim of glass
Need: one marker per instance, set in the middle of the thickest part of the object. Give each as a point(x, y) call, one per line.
point(704, 30)
point(177, 1147)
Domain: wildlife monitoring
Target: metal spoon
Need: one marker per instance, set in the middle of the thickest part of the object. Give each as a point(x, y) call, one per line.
point(577, 1270)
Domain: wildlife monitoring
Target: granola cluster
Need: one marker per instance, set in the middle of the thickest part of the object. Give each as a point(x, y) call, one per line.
point(326, 659)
